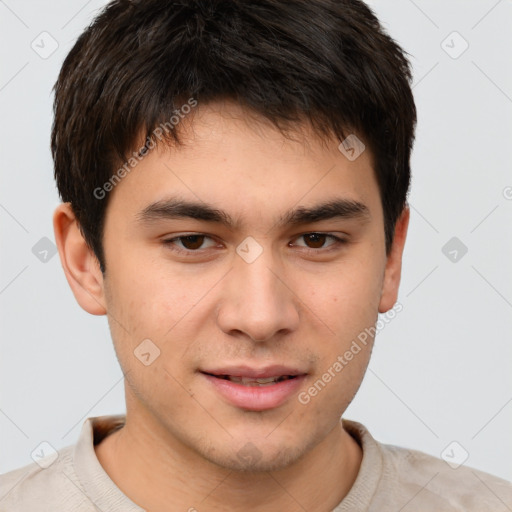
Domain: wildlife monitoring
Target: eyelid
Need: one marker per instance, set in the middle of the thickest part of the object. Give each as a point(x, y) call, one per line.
point(170, 241)
point(337, 244)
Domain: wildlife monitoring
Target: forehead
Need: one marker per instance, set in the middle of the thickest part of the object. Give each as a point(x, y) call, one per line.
point(243, 165)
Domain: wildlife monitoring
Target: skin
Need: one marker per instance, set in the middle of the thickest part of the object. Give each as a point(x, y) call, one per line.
point(299, 303)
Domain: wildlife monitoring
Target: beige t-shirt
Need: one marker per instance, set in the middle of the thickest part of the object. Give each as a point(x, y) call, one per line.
point(390, 479)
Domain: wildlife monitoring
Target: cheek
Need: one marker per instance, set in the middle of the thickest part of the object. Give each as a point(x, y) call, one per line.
point(346, 299)
point(151, 297)
point(335, 382)
point(155, 303)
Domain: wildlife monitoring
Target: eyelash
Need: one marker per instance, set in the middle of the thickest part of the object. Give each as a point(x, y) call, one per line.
point(337, 243)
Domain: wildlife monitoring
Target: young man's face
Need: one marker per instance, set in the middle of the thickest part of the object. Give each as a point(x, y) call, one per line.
point(278, 304)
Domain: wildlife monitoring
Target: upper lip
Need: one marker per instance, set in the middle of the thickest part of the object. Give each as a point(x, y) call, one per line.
point(255, 373)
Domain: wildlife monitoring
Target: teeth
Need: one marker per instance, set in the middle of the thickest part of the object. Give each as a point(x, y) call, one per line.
point(248, 381)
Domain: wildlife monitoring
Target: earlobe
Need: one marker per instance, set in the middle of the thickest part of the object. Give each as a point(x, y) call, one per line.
point(393, 269)
point(78, 261)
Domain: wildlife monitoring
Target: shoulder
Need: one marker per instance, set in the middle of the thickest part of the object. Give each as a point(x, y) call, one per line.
point(43, 486)
point(392, 478)
point(431, 481)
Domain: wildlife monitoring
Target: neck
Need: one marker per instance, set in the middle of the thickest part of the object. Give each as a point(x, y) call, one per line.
point(154, 470)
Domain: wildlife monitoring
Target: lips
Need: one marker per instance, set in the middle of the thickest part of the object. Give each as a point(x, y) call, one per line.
point(248, 375)
point(249, 381)
point(255, 389)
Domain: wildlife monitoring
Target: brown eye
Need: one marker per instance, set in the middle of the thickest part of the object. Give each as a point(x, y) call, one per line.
point(192, 242)
point(318, 242)
point(315, 240)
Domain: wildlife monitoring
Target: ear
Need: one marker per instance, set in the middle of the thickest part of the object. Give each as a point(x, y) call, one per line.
point(393, 270)
point(79, 262)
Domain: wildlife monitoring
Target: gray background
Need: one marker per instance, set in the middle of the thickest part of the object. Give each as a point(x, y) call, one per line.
point(441, 370)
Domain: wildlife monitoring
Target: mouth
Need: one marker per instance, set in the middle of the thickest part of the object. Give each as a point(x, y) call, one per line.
point(248, 381)
point(255, 389)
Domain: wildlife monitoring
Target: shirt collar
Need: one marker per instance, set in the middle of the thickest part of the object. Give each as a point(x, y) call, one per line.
point(107, 497)
point(98, 486)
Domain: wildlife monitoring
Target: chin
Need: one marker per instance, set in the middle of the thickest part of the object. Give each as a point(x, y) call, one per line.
point(256, 457)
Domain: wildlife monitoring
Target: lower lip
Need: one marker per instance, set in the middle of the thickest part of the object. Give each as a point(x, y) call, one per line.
point(256, 398)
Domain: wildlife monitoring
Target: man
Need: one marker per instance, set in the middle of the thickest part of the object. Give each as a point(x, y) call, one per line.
point(234, 179)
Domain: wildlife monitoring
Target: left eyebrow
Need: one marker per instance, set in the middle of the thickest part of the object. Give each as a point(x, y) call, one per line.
point(336, 208)
point(174, 208)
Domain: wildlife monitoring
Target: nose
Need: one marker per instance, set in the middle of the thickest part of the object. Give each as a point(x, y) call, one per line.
point(257, 300)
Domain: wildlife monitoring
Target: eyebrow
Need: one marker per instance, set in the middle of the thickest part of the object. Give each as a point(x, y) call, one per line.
point(175, 208)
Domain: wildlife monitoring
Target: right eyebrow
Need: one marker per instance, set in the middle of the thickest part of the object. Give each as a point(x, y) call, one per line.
point(174, 208)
